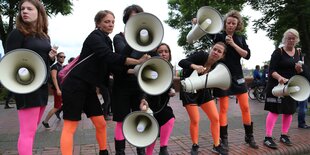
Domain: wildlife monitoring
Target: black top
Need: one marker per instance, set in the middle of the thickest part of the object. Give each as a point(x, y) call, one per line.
point(57, 66)
point(41, 46)
point(284, 65)
point(232, 61)
point(94, 69)
point(202, 95)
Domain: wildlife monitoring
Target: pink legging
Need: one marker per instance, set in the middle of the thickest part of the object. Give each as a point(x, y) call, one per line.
point(165, 132)
point(271, 121)
point(29, 119)
point(118, 132)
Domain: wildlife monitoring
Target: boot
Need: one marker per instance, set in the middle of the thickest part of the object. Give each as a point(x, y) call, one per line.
point(194, 150)
point(103, 152)
point(140, 151)
point(163, 150)
point(224, 136)
point(249, 138)
point(119, 147)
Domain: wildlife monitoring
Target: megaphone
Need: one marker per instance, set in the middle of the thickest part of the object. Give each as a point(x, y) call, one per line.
point(155, 76)
point(219, 77)
point(209, 21)
point(22, 71)
point(297, 87)
point(140, 128)
point(144, 32)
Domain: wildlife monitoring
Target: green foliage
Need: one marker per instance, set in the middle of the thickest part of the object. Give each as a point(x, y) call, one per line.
point(181, 12)
point(9, 11)
point(280, 15)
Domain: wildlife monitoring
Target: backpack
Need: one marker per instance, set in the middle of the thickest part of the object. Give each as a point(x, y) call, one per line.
point(62, 75)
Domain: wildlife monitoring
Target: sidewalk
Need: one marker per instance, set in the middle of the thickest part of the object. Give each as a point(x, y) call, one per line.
point(47, 141)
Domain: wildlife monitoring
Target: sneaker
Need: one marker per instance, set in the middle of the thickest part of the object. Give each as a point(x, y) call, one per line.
point(285, 140)
point(305, 126)
point(268, 141)
point(46, 125)
point(194, 150)
point(219, 150)
point(7, 106)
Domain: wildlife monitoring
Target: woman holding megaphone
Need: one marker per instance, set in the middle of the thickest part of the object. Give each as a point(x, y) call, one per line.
point(283, 66)
point(203, 63)
point(31, 33)
point(79, 87)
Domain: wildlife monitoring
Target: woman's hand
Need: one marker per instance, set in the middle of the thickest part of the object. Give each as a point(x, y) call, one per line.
point(229, 40)
point(282, 80)
point(200, 69)
point(144, 58)
point(52, 54)
point(144, 105)
point(171, 92)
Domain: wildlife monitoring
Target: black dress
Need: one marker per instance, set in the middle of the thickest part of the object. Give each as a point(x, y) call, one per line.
point(232, 61)
point(202, 95)
point(284, 65)
point(41, 46)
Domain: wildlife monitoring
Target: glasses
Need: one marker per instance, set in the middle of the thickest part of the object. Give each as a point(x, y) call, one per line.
point(62, 56)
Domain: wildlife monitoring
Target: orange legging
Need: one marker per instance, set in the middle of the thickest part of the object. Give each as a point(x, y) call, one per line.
point(211, 111)
point(66, 140)
point(244, 106)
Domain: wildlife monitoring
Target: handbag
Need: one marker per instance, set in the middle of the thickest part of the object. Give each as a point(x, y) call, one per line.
point(62, 75)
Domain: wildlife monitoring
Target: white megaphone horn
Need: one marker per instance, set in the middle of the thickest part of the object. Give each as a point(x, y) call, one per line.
point(209, 21)
point(144, 32)
point(22, 71)
point(140, 128)
point(219, 77)
point(155, 76)
point(298, 88)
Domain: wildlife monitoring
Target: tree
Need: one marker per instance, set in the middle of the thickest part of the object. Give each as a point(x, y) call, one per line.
point(280, 15)
point(9, 11)
point(181, 13)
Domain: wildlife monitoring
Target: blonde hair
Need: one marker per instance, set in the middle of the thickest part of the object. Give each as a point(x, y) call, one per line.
point(234, 14)
point(294, 32)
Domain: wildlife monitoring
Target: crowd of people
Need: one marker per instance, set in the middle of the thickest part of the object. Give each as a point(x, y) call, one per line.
point(105, 61)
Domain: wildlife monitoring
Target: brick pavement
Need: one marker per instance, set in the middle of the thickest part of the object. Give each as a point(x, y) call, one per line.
point(47, 141)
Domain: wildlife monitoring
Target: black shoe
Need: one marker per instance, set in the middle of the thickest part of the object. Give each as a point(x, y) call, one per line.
point(163, 150)
point(250, 140)
point(219, 150)
point(141, 151)
point(103, 152)
point(305, 126)
point(57, 113)
point(224, 143)
point(268, 141)
point(194, 150)
point(46, 125)
point(285, 140)
point(7, 106)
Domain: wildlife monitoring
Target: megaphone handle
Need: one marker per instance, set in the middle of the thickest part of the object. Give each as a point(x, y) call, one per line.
point(206, 83)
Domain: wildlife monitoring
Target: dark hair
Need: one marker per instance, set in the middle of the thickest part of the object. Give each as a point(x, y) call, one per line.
point(222, 44)
point(40, 29)
point(132, 8)
point(168, 49)
point(71, 59)
point(101, 14)
point(59, 53)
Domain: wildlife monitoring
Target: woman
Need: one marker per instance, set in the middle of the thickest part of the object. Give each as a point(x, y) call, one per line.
point(202, 62)
point(79, 88)
point(283, 65)
point(165, 116)
point(126, 93)
point(237, 48)
point(31, 33)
